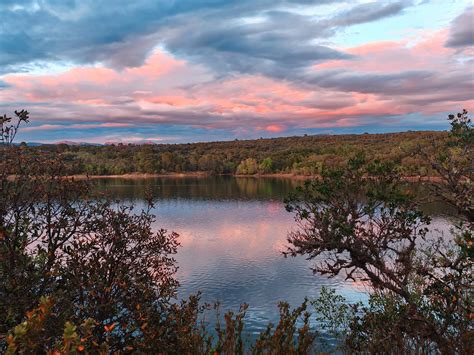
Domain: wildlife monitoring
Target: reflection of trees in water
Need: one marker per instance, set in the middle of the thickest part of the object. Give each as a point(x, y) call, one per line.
point(230, 188)
point(428, 203)
point(218, 187)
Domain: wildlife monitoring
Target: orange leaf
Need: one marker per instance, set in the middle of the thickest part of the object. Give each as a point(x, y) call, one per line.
point(109, 328)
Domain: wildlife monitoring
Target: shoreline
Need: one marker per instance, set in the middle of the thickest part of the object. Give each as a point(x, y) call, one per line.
point(291, 176)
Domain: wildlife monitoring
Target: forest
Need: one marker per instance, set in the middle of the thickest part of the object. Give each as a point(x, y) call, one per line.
point(304, 155)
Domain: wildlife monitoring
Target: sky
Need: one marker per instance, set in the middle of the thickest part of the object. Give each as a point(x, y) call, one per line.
point(174, 71)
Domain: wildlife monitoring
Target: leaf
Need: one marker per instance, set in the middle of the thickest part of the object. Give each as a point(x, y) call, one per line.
point(109, 328)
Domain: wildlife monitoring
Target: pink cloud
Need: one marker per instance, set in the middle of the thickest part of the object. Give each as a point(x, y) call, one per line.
point(438, 93)
point(167, 90)
point(48, 127)
point(274, 128)
point(425, 51)
point(156, 65)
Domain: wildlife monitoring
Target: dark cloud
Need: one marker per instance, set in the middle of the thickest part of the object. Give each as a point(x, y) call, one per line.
point(122, 33)
point(82, 32)
point(369, 12)
point(281, 43)
point(461, 33)
point(391, 85)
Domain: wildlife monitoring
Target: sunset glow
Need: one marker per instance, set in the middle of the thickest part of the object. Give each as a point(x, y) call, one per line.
point(183, 71)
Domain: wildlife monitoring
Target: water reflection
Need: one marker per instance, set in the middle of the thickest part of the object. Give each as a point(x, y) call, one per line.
point(199, 188)
point(232, 232)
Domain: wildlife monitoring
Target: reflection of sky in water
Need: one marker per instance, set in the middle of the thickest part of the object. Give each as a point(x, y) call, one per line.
point(231, 251)
point(232, 233)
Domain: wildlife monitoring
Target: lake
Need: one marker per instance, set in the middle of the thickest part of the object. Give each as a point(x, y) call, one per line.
point(232, 231)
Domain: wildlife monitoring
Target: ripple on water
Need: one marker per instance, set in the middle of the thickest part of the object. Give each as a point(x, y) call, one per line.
point(231, 245)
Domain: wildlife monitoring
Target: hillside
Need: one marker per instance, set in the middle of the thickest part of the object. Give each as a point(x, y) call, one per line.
point(297, 155)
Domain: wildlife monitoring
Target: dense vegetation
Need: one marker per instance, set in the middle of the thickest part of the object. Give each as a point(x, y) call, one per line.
point(296, 155)
point(79, 273)
point(361, 222)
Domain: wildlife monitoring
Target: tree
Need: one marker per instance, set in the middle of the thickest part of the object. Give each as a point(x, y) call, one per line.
point(266, 166)
point(247, 167)
point(94, 259)
point(361, 222)
point(9, 128)
point(454, 163)
point(167, 159)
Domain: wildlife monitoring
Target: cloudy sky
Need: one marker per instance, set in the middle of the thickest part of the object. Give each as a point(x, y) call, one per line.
point(199, 70)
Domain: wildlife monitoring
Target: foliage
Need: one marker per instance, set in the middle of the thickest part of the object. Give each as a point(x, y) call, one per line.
point(360, 222)
point(287, 338)
point(247, 167)
point(96, 259)
point(291, 155)
point(266, 166)
point(454, 163)
point(8, 130)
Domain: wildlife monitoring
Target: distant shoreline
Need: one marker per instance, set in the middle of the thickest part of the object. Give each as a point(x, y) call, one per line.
point(188, 174)
point(139, 176)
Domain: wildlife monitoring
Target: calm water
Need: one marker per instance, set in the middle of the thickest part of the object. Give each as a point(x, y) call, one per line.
point(232, 232)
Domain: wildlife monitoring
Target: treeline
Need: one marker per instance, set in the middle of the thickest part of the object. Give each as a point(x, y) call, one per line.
point(292, 155)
